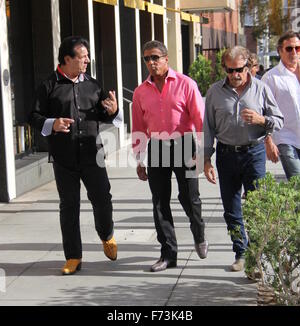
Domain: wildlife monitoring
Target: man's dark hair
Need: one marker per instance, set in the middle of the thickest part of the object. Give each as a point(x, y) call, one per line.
point(286, 36)
point(155, 45)
point(67, 47)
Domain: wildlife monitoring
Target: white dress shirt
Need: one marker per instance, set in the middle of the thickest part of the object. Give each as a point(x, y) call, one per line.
point(286, 90)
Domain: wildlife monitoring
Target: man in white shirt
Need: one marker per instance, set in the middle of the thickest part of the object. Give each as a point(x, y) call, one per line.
point(284, 81)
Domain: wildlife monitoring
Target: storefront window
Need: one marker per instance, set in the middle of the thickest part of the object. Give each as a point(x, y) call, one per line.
point(21, 74)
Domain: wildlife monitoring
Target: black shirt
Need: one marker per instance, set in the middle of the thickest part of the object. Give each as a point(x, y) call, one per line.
point(59, 97)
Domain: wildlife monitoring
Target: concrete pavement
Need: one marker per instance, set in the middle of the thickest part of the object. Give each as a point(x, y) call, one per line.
point(31, 253)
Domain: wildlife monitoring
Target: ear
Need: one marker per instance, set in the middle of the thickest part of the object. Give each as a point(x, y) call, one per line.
point(279, 50)
point(67, 59)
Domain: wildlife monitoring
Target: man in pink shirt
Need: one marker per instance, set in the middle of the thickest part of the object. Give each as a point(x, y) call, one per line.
point(167, 108)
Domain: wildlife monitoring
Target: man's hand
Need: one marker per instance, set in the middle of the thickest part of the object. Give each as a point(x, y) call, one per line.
point(209, 172)
point(271, 150)
point(110, 103)
point(251, 117)
point(62, 125)
point(141, 172)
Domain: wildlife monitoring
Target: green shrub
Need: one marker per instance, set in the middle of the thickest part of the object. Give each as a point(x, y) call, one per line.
point(201, 71)
point(272, 220)
point(219, 71)
point(204, 74)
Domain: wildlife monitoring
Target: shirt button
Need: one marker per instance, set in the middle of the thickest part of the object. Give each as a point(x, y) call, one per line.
point(78, 107)
point(80, 132)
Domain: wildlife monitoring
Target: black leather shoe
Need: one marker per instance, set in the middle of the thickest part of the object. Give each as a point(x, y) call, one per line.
point(202, 249)
point(162, 264)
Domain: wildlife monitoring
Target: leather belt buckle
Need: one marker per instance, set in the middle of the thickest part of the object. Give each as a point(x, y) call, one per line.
point(240, 148)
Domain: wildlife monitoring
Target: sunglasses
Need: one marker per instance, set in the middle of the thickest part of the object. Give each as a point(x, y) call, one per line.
point(291, 48)
point(153, 57)
point(231, 70)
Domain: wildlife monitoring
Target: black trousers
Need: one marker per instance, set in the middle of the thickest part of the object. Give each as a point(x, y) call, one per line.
point(97, 184)
point(159, 178)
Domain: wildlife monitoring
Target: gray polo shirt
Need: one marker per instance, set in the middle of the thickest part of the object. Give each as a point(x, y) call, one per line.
point(222, 119)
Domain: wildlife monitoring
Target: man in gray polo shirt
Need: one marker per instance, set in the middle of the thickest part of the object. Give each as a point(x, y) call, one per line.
point(239, 112)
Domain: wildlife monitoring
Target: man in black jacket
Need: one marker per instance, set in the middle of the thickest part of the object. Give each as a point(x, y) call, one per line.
point(67, 110)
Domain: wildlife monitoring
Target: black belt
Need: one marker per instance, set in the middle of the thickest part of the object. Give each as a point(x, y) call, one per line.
point(236, 148)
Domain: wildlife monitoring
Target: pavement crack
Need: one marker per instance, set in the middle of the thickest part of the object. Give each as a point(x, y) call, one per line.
point(178, 278)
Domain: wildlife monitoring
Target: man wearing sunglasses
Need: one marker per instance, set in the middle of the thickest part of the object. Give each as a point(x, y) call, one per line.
point(239, 112)
point(284, 81)
point(167, 107)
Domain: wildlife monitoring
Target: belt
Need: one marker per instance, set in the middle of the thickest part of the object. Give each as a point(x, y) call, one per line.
point(236, 148)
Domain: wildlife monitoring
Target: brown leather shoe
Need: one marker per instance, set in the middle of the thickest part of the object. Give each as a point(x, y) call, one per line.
point(202, 249)
point(162, 264)
point(110, 248)
point(71, 266)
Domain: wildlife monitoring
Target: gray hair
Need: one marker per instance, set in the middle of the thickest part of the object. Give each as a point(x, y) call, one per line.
point(235, 52)
point(155, 45)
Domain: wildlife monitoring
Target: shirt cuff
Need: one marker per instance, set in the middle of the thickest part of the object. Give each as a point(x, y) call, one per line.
point(269, 124)
point(141, 158)
point(47, 127)
point(117, 122)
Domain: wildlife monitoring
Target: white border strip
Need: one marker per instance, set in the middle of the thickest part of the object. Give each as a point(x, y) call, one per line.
point(7, 107)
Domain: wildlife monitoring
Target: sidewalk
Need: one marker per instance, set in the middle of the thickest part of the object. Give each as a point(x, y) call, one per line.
point(31, 253)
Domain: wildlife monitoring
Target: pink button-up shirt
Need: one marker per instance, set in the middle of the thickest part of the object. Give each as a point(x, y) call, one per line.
point(178, 109)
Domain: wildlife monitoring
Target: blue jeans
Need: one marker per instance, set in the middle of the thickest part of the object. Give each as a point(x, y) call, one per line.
point(236, 169)
point(290, 159)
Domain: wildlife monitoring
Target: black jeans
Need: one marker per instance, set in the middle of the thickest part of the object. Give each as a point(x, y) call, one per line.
point(160, 185)
point(97, 184)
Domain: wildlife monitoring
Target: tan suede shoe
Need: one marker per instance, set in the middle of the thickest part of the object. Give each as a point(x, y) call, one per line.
point(71, 266)
point(238, 265)
point(110, 248)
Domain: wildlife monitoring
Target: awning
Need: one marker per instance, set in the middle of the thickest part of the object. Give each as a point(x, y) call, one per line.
point(152, 8)
point(136, 4)
point(108, 2)
point(207, 5)
point(155, 9)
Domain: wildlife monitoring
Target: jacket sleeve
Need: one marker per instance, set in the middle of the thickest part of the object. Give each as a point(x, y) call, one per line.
point(38, 114)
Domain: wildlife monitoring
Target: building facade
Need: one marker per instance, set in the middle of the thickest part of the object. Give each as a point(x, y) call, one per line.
point(31, 32)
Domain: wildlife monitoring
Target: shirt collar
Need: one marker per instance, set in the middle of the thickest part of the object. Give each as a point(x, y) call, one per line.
point(284, 70)
point(60, 75)
point(171, 75)
point(225, 83)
